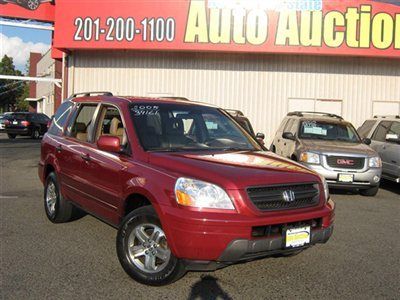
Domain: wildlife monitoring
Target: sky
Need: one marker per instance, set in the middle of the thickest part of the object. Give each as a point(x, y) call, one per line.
point(19, 42)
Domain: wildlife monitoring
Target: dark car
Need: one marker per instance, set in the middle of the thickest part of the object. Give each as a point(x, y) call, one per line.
point(186, 186)
point(28, 4)
point(245, 123)
point(26, 124)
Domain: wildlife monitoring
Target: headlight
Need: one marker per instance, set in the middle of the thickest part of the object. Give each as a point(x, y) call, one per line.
point(310, 158)
point(326, 188)
point(196, 193)
point(375, 162)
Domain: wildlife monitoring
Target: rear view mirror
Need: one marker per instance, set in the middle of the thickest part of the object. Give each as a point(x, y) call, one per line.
point(260, 138)
point(109, 144)
point(288, 136)
point(393, 138)
point(366, 141)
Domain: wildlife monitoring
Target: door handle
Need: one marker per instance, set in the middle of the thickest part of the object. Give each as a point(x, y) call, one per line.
point(59, 149)
point(86, 157)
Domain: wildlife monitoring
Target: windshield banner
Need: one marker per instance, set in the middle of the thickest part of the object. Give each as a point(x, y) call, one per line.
point(360, 27)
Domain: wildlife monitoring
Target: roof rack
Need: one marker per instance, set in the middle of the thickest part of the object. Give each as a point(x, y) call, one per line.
point(384, 117)
point(235, 112)
point(88, 94)
point(302, 113)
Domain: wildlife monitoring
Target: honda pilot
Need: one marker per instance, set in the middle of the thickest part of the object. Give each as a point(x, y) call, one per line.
point(185, 185)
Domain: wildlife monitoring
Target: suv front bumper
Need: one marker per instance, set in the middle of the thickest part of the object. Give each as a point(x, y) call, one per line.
point(245, 250)
point(363, 179)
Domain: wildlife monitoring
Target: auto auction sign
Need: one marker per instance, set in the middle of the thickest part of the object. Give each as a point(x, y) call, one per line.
point(360, 27)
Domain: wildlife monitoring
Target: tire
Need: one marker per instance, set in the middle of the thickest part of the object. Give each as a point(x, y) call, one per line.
point(35, 134)
point(138, 229)
point(11, 136)
point(273, 149)
point(57, 209)
point(371, 192)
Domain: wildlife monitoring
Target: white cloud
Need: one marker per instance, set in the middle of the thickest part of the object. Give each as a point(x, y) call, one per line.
point(19, 50)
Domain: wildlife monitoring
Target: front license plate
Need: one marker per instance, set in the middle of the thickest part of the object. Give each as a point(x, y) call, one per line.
point(297, 237)
point(346, 178)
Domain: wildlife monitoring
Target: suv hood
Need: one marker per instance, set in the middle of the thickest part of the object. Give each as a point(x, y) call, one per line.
point(337, 147)
point(234, 170)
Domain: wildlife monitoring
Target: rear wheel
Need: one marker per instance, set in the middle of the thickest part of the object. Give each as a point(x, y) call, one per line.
point(57, 209)
point(370, 192)
point(32, 4)
point(11, 136)
point(35, 134)
point(143, 249)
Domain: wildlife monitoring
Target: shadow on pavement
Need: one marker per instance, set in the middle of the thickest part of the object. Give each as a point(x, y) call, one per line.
point(390, 186)
point(19, 140)
point(208, 288)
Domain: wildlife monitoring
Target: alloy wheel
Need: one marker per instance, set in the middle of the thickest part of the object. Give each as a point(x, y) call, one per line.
point(33, 4)
point(51, 198)
point(148, 248)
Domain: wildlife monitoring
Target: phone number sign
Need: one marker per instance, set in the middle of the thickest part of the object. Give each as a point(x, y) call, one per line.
point(362, 28)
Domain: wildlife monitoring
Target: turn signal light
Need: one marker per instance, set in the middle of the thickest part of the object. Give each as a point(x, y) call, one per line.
point(183, 198)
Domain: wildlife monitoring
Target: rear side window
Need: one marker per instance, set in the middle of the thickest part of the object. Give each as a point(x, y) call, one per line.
point(60, 118)
point(365, 128)
point(381, 131)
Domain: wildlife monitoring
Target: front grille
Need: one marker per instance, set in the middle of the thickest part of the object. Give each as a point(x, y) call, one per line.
point(269, 198)
point(345, 162)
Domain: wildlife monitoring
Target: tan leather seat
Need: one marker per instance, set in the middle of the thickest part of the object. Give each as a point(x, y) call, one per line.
point(81, 134)
point(117, 131)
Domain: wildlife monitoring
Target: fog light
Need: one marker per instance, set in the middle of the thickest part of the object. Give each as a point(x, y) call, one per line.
point(376, 178)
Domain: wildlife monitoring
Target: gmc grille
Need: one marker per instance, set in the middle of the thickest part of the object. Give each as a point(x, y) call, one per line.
point(345, 162)
point(281, 197)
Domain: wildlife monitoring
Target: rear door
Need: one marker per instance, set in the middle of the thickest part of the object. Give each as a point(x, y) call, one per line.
point(71, 155)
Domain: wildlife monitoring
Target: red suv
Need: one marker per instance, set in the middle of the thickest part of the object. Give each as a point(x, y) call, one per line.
point(187, 187)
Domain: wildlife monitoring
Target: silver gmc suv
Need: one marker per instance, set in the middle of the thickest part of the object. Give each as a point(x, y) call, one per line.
point(330, 146)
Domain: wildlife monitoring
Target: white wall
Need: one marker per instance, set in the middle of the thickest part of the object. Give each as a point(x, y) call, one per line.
point(46, 68)
point(259, 85)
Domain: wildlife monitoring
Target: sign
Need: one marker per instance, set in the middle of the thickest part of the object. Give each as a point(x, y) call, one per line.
point(40, 10)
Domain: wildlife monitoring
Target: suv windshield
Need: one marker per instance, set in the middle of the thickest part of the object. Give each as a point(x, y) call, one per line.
point(328, 131)
point(178, 127)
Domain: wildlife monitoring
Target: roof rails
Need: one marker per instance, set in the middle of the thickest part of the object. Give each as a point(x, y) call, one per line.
point(176, 98)
point(234, 112)
point(88, 94)
point(384, 117)
point(302, 113)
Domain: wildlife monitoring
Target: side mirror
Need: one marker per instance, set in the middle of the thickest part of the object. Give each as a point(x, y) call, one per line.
point(260, 137)
point(393, 138)
point(109, 144)
point(366, 141)
point(288, 136)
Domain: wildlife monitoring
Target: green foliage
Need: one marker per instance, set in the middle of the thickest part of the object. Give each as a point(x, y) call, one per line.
point(10, 90)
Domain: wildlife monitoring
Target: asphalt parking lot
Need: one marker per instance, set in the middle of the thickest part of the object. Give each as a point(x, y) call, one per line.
point(78, 261)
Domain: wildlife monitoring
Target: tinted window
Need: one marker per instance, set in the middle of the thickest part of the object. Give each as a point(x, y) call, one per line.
point(60, 118)
point(19, 117)
point(174, 127)
point(381, 131)
point(288, 125)
point(395, 128)
point(365, 128)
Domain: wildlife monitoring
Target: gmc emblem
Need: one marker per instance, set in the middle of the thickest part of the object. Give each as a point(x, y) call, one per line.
point(345, 162)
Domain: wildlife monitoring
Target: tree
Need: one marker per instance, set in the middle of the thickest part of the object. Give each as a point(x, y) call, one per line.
point(10, 90)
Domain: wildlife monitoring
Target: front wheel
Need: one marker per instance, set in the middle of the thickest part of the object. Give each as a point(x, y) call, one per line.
point(35, 134)
point(143, 249)
point(371, 192)
point(32, 4)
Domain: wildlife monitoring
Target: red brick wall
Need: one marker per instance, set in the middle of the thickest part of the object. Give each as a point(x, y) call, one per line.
point(33, 61)
point(57, 90)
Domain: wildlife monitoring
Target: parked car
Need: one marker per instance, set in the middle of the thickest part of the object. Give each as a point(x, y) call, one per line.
point(26, 124)
point(330, 146)
point(28, 4)
point(245, 123)
point(187, 188)
point(384, 133)
point(3, 119)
